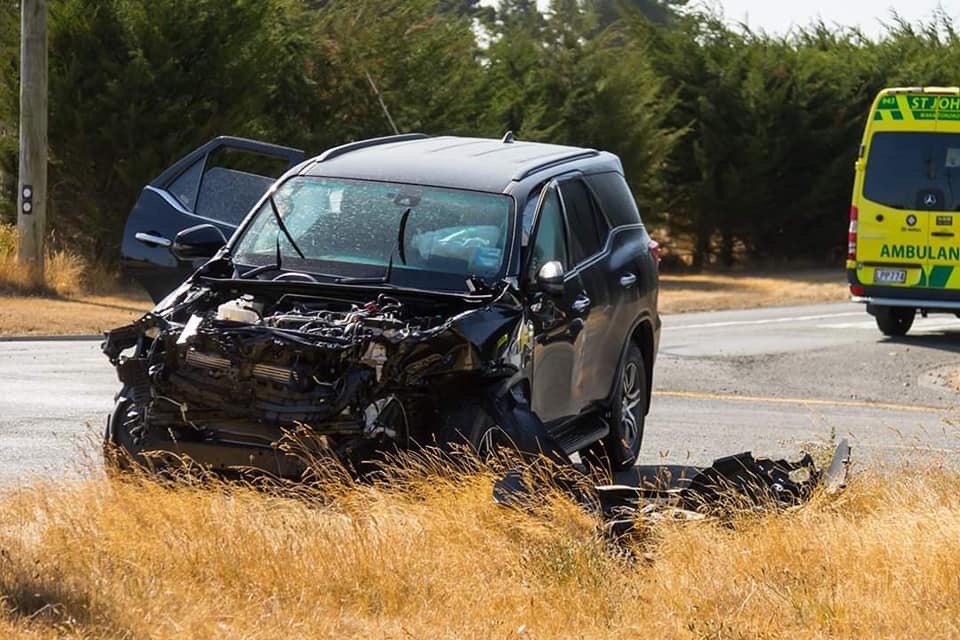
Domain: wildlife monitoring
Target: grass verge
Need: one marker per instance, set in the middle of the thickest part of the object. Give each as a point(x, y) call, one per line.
point(77, 296)
point(80, 315)
point(87, 314)
point(430, 557)
point(725, 290)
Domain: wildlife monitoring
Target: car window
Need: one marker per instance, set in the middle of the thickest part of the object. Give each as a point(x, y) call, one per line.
point(550, 242)
point(232, 182)
point(351, 228)
point(588, 228)
point(184, 186)
point(615, 198)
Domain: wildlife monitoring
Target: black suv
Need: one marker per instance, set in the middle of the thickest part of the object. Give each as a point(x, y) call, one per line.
point(389, 293)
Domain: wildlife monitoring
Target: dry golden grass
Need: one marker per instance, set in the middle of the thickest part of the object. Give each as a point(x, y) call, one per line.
point(80, 315)
point(431, 558)
point(78, 296)
point(733, 290)
point(64, 272)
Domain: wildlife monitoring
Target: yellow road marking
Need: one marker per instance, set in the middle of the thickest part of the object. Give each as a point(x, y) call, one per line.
point(802, 401)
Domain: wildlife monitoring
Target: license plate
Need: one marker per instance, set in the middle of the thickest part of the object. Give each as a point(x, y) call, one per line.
point(897, 276)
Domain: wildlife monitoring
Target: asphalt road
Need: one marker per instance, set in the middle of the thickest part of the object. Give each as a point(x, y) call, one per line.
point(767, 380)
point(772, 380)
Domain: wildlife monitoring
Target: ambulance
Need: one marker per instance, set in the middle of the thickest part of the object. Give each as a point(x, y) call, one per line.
point(903, 252)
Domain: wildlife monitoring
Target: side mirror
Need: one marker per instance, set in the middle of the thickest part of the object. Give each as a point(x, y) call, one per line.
point(201, 241)
point(550, 278)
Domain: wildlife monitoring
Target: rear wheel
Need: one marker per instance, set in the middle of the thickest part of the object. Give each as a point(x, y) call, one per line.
point(627, 412)
point(894, 321)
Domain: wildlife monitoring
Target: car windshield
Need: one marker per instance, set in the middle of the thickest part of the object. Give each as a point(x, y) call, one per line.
point(352, 229)
point(914, 170)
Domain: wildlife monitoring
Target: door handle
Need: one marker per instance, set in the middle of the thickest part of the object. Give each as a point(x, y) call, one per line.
point(942, 234)
point(150, 238)
point(581, 304)
point(627, 280)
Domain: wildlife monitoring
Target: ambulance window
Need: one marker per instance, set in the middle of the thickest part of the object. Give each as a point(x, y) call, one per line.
point(914, 170)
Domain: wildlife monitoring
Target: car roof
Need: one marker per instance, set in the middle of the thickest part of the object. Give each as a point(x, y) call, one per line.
point(481, 164)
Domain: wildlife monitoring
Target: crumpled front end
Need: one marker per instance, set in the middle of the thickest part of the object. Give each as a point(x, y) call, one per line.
point(221, 377)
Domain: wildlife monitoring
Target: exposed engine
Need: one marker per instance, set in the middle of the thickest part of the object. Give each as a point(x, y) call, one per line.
point(244, 370)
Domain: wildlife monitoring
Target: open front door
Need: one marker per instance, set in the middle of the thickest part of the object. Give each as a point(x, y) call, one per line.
point(216, 184)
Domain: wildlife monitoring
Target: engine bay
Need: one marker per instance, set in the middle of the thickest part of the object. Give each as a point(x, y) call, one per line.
point(220, 368)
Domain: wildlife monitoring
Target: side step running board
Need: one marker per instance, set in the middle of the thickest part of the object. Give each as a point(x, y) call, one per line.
point(582, 434)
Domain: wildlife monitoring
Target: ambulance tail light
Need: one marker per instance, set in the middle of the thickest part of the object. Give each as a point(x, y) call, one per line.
point(852, 234)
point(857, 290)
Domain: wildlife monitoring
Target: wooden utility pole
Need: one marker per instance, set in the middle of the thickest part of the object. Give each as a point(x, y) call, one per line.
point(32, 183)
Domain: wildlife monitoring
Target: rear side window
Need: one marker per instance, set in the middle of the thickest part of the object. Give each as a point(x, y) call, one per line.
point(588, 227)
point(232, 182)
point(184, 186)
point(615, 198)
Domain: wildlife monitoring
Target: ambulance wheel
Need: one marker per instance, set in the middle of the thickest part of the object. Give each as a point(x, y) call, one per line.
point(894, 321)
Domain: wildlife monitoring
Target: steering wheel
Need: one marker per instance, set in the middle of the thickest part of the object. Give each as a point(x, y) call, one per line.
point(295, 276)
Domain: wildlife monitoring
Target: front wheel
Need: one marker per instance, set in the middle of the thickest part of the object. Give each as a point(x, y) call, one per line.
point(894, 321)
point(122, 442)
point(472, 426)
point(627, 412)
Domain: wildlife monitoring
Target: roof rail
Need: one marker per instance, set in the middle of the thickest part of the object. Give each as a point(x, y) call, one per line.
point(553, 162)
point(343, 149)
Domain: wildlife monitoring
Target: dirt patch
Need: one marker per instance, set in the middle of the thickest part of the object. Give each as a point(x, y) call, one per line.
point(718, 291)
point(946, 377)
point(82, 315)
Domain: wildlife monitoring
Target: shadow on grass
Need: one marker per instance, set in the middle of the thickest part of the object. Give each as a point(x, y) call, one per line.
point(106, 305)
point(699, 284)
point(46, 293)
point(51, 605)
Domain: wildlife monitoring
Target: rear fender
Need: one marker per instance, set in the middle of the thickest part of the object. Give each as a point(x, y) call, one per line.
point(643, 335)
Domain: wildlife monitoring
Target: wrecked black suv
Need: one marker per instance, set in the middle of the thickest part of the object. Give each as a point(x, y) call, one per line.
point(393, 293)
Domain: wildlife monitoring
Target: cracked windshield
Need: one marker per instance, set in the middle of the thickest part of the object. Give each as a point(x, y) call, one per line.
point(358, 229)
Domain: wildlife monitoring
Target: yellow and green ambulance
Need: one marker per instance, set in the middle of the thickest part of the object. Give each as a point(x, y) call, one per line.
point(904, 239)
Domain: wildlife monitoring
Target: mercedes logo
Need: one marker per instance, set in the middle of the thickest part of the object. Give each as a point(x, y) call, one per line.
point(930, 200)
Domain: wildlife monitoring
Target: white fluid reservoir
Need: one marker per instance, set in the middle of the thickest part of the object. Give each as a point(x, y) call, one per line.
point(238, 310)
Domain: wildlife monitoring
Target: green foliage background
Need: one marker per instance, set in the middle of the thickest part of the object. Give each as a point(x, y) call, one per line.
point(738, 145)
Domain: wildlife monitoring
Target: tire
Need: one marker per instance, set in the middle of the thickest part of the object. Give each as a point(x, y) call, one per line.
point(628, 410)
point(472, 426)
point(894, 321)
point(122, 450)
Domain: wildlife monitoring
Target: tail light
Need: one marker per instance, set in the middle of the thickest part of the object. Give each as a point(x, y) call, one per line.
point(852, 234)
point(857, 290)
point(654, 247)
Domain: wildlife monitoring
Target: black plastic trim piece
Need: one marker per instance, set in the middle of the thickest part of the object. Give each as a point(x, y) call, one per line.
point(554, 162)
